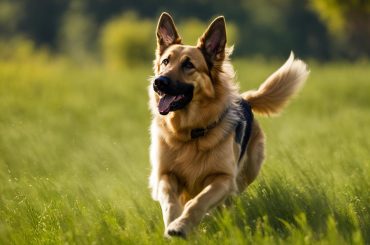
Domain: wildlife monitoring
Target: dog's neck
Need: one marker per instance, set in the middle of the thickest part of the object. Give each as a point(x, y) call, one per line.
point(181, 123)
point(200, 132)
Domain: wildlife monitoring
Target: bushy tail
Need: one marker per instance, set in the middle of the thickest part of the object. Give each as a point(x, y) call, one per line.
point(275, 92)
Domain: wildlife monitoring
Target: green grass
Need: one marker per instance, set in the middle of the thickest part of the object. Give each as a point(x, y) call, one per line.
point(74, 160)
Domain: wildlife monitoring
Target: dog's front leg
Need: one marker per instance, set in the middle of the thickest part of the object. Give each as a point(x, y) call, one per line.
point(217, 188)
point(168, 196)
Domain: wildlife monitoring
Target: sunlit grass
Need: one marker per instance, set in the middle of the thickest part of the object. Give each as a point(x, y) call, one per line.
point(74, 160)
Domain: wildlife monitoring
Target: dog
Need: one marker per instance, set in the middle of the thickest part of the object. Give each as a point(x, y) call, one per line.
point(205, 142)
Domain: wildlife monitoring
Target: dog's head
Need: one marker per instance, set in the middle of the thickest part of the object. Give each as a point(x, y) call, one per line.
point(185, 74)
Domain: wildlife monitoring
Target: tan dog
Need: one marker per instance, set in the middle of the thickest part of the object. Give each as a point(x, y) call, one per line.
point(205, 143)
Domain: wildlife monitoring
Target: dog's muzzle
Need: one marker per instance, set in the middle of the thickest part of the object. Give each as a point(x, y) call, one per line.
point(174, 95)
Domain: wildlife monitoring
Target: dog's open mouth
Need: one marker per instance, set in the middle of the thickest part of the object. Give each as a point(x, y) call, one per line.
point(169, 102)
point(173, 95)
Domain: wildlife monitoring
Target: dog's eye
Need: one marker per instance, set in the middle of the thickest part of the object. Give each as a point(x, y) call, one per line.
point(165, 61)
point(187, 65)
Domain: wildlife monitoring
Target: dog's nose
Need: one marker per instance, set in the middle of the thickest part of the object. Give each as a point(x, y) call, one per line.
point(161, 81)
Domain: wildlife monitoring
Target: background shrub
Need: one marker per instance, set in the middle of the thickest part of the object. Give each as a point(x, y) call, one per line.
point(127, 41)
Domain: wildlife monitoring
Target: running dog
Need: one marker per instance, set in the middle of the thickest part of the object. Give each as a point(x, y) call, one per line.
point(205, 142)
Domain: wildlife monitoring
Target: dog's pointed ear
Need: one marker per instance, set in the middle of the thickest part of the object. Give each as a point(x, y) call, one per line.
point(213, 41)
point(166, 33)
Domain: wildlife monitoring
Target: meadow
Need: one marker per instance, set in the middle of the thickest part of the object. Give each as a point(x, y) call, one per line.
point(74, 159)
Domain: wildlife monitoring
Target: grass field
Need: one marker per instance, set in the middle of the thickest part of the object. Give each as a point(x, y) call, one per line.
point(74, 160)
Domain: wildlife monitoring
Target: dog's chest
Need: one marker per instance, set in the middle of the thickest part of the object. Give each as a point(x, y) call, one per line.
point(192, 166)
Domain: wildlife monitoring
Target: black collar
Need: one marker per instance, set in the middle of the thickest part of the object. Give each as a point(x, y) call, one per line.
point(199, 132)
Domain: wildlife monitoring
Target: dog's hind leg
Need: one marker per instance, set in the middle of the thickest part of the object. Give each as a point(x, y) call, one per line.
point(255, 155)
point(168, 196)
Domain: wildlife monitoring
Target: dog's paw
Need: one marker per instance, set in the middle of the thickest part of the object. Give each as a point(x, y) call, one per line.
point(175, 233)
point(177, 228)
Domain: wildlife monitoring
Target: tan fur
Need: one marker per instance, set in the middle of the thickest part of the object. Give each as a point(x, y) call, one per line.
point(190, 176)
point(275, 92)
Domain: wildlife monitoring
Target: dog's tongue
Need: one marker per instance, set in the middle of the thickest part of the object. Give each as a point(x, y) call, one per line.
point(165, 104)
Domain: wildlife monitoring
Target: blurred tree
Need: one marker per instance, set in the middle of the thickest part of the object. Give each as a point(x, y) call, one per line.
point(78, 32)
point(10, 17)
point(348, 21)
point(266, 27)
point(308, 35)
point(40, 20)
point(274, 28)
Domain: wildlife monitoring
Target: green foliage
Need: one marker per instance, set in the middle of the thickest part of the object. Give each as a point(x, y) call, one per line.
point(10, 13)
point(324, 30)
point(74, 159)
point(338, 13)
point(20, 49)
point(77, 33)
point(127, 41)
point(348, 23)
point(332, 13)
